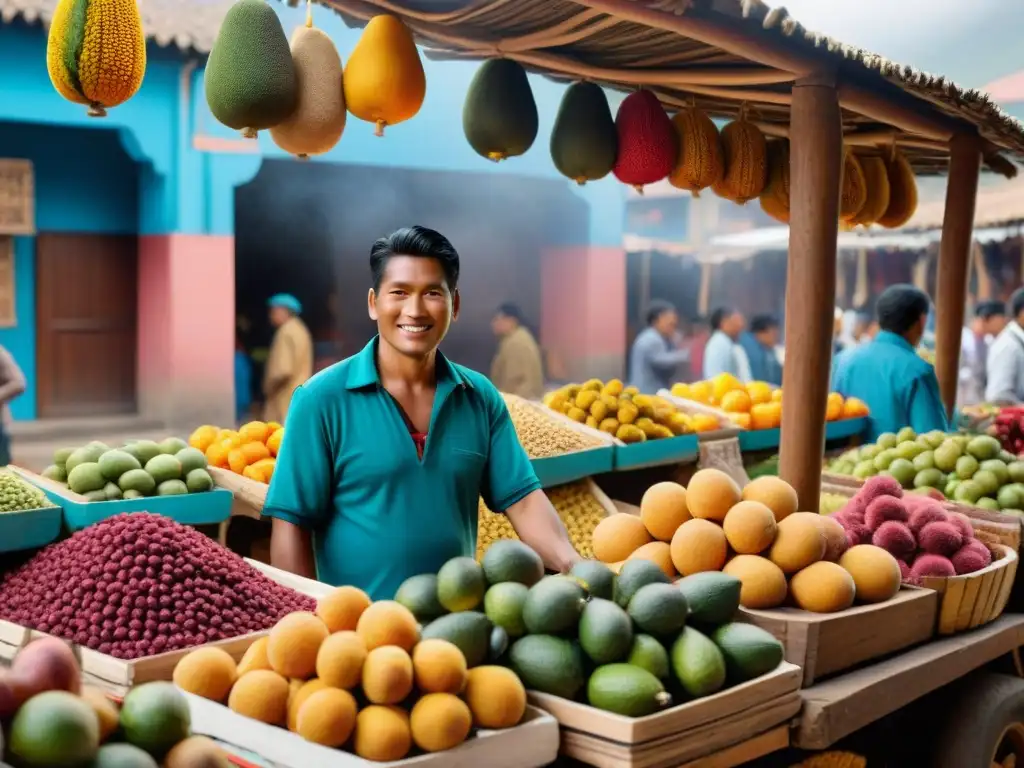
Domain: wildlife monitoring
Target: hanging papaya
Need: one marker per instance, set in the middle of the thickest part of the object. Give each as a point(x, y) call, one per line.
point(583, 140)
point(775, 197)
point(316, 125)
point(902, 191)
point(250, 76)
point(746, 162)
point(647, 141)
point(700, 162)
point(384, 80)
point(499, 115)
point(96, 52)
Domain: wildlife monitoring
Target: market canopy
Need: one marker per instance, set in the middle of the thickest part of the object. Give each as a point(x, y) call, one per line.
point(721, 55)
point(999, 205)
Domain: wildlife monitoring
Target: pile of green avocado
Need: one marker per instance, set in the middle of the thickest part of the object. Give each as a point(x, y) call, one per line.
point(138, 468)
point(631, 643)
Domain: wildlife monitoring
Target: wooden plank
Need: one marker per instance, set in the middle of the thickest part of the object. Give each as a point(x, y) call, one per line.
point(730, 728)
point(822, 644)
point(250, 496)
point(839, 707)
point(764, 744)
point(689, 716)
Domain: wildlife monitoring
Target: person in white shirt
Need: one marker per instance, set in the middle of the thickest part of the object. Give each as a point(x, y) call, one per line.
point(1005, 364)
point(987, 323)
point(723, 353)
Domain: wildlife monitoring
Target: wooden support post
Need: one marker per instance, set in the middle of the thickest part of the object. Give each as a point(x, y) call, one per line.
point(816, 160)
point(955, 261)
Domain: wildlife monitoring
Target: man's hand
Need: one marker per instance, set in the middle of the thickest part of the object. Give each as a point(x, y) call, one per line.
point(538, 525)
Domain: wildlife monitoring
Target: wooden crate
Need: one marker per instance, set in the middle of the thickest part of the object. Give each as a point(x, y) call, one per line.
point(679, 734)
point(531, 744)
point(975, 599)
point(250, 496)
point(822, 644)
point(118, 676)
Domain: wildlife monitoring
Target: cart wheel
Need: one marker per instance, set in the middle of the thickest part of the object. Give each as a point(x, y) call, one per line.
point(985, 728)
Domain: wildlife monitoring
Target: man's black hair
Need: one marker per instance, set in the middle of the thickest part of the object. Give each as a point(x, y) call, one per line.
point(719, 316)
point(656, 309)
point(1017, 303)
point(986, 310)
point(900, 308)
point(415, 241)
point(762, 323)
point(508, 309)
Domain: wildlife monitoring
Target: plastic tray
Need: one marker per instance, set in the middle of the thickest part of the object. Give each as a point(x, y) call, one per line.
point(558, 470)
point(206, 508)
point(653, 453)
point(768, 439)
point(29, 528)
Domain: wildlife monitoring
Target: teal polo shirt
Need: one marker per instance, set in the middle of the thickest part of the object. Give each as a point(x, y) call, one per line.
point(349, 471)
point(898, 385)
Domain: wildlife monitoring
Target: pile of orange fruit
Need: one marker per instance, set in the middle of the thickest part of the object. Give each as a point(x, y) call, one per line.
point(757, 404)
point(250, 451)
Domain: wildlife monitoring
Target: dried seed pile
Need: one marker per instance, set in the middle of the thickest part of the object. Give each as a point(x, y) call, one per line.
point(139, 584)
point(543, 436)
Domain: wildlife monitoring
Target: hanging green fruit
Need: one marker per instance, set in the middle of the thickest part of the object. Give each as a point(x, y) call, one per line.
point(250, 76)
point(583, 142)
point(499, 115)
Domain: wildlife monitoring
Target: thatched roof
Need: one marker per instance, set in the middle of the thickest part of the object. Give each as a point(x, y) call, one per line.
point(999, 205)
point(187, 24)
point(720, 54)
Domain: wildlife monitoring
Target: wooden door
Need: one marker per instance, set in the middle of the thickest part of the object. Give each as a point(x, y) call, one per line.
point(86, 289)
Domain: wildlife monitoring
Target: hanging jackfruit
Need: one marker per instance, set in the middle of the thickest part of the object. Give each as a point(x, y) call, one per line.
point(250, 77)
point(583, 142)
point(647, 141)
point(499, 115)
point(746, 162)
point(701, 161)
point(775, 197)
point(902, 191)
point(854, 189)
point(384, 79)
point(876, 181)
point(316, 125)
point(96, 52)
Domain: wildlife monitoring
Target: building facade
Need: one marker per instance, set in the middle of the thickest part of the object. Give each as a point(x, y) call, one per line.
point(120, 287)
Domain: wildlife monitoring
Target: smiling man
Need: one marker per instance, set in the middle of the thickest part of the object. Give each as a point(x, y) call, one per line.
point(387, 453)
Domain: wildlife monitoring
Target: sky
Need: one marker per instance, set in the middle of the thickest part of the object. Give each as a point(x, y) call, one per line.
point(972, 41)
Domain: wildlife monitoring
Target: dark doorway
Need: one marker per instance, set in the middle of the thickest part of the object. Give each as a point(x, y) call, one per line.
point(86, 300)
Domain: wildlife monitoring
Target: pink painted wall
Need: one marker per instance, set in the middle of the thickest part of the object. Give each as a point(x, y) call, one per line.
point(583, 308)
point(187, 329)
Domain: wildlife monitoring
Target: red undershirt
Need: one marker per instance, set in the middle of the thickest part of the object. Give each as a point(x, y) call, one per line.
point(420, 440)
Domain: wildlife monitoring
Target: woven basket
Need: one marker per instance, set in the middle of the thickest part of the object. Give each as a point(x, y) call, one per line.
point(975, 599)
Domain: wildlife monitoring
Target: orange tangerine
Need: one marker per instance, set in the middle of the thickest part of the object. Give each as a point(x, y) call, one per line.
point(254, 432)
point(736, 401)
point(834, 407)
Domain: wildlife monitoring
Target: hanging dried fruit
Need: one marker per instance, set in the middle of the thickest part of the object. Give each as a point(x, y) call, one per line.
point(583, 141)
point(854, 189)
point(384, 79)
point(250, 76)
point(647, 141)
point(96, 52)
point(746, 162)
point(316, 125)
point(499, 115)
point(902, 191)
point(876, 181)
point(701, 161)
point(775, 197)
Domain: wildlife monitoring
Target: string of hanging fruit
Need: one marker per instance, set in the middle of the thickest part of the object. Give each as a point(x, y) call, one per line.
point(255, 80)
point(96, 56)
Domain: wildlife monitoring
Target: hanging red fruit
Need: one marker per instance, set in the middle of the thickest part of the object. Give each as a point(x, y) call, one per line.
point(647, 141)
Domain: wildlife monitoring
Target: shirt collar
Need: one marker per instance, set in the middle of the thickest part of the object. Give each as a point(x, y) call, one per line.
point(888, 337)
point(363, 370)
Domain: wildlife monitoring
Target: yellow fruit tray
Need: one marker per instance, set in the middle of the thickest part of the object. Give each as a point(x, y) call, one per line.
point(678, 734)
point(726, 426)
point(823, 644)
point(118, 676)
point(531, 744)
point(974, 599)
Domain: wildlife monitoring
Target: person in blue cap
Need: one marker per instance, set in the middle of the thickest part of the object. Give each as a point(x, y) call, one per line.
point(290, 361)
point(387, 454)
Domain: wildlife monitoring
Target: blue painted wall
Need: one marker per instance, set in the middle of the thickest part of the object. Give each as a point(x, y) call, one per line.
point(137, 171)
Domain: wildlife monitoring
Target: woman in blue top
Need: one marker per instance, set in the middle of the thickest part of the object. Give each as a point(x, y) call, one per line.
point(387, 453)
point(897, 384)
